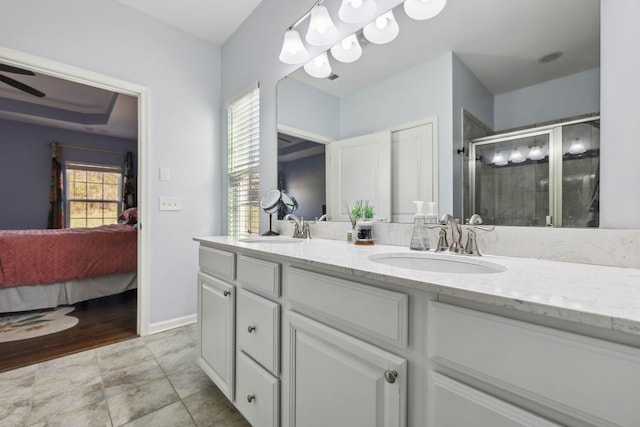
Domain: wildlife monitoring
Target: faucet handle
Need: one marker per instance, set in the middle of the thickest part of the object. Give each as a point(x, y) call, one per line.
point(471, 247)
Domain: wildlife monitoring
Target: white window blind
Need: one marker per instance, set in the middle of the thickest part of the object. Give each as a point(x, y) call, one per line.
point(243, 127)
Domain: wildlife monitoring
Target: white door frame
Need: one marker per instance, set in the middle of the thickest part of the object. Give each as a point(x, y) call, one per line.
point(102, 81)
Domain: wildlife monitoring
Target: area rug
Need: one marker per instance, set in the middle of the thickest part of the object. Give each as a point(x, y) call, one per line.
point(33, 324)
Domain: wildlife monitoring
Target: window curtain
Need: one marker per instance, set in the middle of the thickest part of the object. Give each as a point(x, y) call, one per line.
point(129, 198)
point(56, 190)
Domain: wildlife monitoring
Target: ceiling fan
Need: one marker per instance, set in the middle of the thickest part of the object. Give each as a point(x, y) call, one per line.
point(18, 85)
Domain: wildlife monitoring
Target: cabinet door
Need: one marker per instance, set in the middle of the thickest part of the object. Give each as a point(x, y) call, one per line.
point(338, 380)
point(216, 331)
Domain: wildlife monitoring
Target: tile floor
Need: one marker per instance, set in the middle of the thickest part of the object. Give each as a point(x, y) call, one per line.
point(150, 381)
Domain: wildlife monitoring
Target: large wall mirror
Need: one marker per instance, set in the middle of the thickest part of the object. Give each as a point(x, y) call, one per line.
point(481, 67)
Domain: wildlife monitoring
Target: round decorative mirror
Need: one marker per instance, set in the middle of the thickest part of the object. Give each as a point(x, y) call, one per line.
point(273, 201)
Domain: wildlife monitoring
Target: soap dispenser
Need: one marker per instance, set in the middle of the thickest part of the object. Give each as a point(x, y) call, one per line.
point(419, 241)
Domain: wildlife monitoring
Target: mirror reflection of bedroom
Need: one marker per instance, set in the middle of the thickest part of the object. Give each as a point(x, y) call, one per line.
point(68, 224)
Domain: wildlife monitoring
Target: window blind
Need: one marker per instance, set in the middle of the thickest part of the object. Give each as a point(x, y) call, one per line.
point(243, 127)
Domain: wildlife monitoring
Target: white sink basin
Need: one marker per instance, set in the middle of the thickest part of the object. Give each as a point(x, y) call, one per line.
point(438, 263)
point(270, 240)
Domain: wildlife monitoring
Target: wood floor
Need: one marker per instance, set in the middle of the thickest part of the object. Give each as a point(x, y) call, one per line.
point(101, 321)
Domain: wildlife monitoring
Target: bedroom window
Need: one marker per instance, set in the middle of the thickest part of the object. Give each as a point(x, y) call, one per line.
point(93, 194)
point(243, 136)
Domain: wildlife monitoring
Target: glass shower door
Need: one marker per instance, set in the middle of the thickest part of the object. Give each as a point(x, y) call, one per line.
point(548, 176)
point(510, 179)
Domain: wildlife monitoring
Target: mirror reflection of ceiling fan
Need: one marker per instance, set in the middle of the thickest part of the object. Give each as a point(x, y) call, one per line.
point(16, 84)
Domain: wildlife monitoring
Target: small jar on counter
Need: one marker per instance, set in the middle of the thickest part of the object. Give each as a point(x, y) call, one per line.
point(364, 233)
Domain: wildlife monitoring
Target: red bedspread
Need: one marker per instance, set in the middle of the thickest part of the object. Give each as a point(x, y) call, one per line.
point(47, 256)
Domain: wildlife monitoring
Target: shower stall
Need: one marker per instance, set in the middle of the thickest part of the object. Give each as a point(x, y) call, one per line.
point(541, 176)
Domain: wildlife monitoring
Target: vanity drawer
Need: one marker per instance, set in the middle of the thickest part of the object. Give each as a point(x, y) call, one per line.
point(358, 308)
point(577, 375)
point(257, 393)
point(258, 326)
point(219, 263)
point(261, 276)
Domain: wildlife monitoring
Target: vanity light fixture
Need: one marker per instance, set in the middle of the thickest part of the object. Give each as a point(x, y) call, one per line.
point(322, 31)
point(423, 9)
point(293, 50)
point(319, 66)
point(500, 159)
point(383, 29)
point(519, 154)
point(577, 147)
point(536, 153)
point(348, 50)
point(357, 11)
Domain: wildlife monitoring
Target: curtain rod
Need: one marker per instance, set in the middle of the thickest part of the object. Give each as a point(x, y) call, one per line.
point(75, 147)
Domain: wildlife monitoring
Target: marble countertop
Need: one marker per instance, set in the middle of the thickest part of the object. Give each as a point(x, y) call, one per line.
point(607, 297)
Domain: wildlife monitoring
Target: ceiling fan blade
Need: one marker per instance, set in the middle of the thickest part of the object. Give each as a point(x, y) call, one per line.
point(9, 69)
point(21, 86)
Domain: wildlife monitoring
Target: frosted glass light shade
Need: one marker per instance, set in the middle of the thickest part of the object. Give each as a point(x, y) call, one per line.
point(357, 11)
point(500, 159)
point(519, 154)
point(577, 147)
point(348, 50)
point(293, 50)
point(423, 9)
point(322, 31)
point(382, 30)
point(536, 153)
point(319, 66)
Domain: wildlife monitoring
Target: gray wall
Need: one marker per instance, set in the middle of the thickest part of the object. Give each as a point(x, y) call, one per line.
point(569, 96)
point(182, 74)
point(306, 108)
point(26, 167)
point(620, 109)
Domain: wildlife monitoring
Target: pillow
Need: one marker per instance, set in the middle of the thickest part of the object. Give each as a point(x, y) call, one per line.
point(129, 216)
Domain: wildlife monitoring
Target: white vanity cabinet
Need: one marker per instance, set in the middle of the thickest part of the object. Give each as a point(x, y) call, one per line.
point(298, 341)
point(216, 318)
point(338, 379)
point(569, 377)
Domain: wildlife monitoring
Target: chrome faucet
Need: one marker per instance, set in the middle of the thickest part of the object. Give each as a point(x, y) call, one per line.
point(301, 229)
point(456, 233)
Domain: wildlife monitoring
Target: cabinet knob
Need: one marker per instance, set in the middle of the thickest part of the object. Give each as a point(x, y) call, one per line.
point(226, 293)
point(251, 329)
point(251, 398)
point(390, 376)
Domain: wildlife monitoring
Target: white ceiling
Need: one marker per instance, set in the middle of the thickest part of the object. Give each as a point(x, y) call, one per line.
point(210, 20)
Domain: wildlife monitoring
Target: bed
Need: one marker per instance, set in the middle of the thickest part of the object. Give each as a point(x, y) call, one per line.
point(47, 268)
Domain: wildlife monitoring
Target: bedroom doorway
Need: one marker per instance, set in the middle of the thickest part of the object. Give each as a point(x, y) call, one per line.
point(70, 73)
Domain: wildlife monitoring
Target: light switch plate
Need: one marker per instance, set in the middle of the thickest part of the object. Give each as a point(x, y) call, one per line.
point(170, 203)
point(164, 174)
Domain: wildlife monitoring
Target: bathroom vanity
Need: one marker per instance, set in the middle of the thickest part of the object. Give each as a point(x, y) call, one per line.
point(300, 332)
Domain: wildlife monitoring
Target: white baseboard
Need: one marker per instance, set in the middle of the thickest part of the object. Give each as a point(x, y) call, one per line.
point(172, 324)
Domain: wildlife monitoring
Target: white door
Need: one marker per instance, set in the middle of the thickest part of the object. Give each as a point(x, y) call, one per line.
point(216, 331)
point(414, 169)
point(359, 169)
point(340, 381)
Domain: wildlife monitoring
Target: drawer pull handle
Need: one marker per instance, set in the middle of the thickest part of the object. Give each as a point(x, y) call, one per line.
point(251, 329)
point(390, 376)
point(251, 398)
point(226, 293)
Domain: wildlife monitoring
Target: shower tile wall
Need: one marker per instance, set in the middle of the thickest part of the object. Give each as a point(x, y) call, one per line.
point(514, 194)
